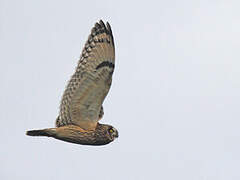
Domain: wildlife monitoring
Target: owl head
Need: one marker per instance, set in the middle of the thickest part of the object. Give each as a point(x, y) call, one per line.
point(112, 132)
point(105, 134)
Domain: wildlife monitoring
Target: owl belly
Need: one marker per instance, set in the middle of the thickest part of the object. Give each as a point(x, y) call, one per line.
point(75, 134)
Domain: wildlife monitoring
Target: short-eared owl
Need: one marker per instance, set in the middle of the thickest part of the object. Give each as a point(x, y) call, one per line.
point(81, 104)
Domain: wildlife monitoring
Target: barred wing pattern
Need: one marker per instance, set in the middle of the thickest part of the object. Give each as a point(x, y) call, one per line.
point(82, 100)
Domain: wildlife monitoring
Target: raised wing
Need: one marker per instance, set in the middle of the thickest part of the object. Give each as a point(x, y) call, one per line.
point(83, 97)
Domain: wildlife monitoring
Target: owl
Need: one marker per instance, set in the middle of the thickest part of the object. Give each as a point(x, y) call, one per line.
point(81, 105)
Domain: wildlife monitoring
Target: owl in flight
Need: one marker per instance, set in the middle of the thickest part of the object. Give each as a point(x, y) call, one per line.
point(81, 104)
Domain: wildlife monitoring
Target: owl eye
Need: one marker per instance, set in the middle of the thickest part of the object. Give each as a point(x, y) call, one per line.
point(111, 130)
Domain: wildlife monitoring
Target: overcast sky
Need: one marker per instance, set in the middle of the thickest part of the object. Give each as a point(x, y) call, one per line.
point(175, 96)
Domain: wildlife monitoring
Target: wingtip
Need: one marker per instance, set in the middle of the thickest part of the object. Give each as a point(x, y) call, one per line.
point(100, 26)
point(109, 27)
point(101, 21)
point(97, 25)
point(110, 31)
point(103, 25)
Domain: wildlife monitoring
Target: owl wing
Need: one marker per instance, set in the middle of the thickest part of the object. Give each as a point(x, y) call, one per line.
point(82, 100)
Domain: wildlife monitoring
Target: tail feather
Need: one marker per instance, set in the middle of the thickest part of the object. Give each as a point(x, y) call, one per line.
point(43, 132)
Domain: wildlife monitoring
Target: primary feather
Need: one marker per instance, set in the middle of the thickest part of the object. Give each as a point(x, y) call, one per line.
point(83, 97)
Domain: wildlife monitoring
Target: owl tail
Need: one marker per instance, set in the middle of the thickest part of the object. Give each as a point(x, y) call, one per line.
point(51, 132)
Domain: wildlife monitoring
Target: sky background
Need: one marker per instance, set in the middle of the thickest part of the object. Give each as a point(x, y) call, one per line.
point(175, 96)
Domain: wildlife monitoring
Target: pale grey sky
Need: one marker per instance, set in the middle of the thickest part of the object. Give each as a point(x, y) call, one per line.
point(175, 96)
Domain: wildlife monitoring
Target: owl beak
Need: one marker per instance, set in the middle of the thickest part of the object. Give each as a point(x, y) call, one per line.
point(116, 134)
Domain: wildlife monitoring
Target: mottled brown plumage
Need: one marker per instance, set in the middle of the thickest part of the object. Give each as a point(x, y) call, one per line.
point(81, 104)
point(103, 134)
